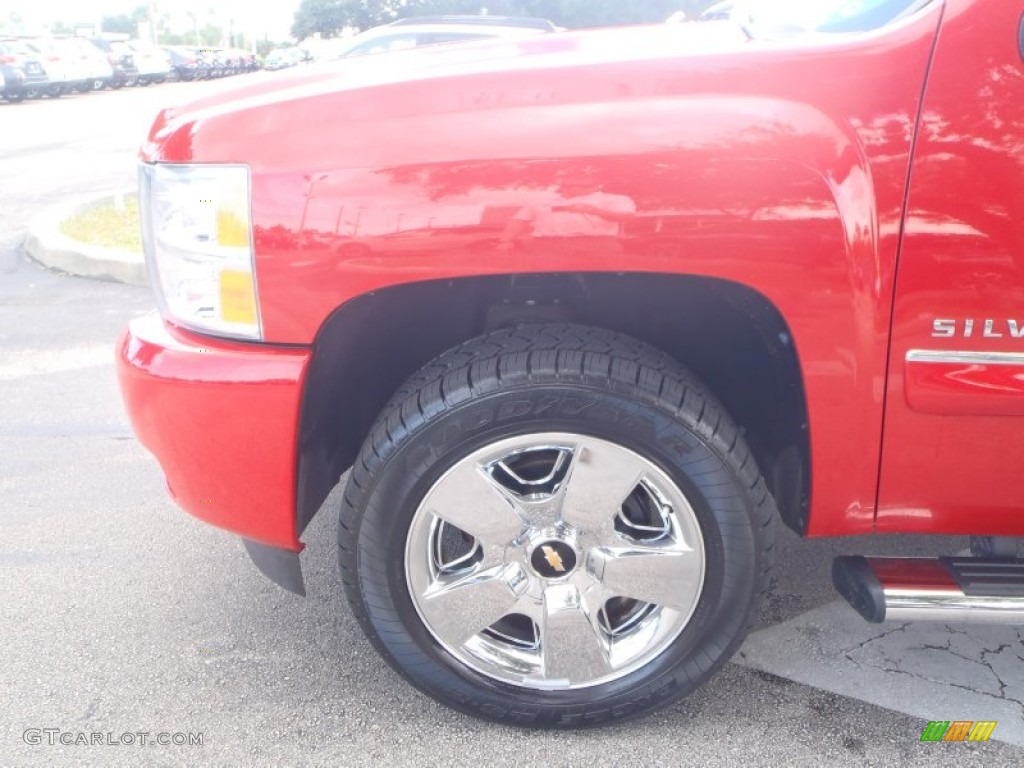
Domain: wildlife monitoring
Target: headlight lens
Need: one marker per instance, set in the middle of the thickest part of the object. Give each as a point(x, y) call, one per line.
point(197, 234)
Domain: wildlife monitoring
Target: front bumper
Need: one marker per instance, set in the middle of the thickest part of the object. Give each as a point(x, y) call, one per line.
point(222, 419)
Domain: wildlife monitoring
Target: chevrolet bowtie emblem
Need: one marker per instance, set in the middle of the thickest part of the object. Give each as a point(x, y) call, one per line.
point(554, 559)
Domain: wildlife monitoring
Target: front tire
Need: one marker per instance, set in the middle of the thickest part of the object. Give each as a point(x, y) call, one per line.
point(555, 526)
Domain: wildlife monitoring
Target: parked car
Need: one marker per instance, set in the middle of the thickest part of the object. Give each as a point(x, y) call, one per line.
point(24, 76)
point(216, 62)
point(64, 73)
point(186, 63)
point(432, 30)
point(121, 59)
point(719, 11)
point(480, 21)
point(97, 69)
point(586, 316)
point(284, 58)
point(241, 61)
point(151, 62)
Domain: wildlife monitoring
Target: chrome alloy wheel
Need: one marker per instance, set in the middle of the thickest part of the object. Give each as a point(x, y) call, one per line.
point(555, 561)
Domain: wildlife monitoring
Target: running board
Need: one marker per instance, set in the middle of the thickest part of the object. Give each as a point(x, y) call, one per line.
point(946, 589)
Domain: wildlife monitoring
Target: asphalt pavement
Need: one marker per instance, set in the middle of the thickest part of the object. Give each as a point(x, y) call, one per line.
point(123, 616)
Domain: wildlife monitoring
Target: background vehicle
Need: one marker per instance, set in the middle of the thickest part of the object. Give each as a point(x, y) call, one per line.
point(420, 31)
point(121, 60)
point(235, 61)
point(97, 69)
point(587, 316)
point(151, 62)
point(187, 63)
point(283, 58)
point(794, 17)
point(203, 63)
point(63, 71)
point(216, 61)
point(719, 11)
point(241, 61)
point(23, 73)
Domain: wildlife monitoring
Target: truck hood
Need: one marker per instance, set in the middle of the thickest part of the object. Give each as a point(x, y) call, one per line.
point(557, 50)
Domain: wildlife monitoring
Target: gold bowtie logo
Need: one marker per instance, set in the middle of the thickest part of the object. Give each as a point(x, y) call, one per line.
point(554, 559)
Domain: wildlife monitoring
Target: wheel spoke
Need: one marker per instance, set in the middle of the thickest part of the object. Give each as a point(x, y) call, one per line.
point(666, 577)
point(626, 535)
point(599, 482)
point(461, 610)
point(468, 499)
point(573, 646)
point(541, 505)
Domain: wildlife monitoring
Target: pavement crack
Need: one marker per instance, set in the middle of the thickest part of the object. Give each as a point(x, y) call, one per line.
point(948, 648)
point(995, 651)
point(998, 697)
point(887, 633)
point(985, 653)
point(888, 664)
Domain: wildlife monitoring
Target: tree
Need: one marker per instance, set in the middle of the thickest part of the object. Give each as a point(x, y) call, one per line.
point(329, 17)
point(124, 23)
point(211, 35)
point(264, 47)
point(12, 24)
point(121, 24)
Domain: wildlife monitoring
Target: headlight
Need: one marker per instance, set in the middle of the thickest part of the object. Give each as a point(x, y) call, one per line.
point(197, 235)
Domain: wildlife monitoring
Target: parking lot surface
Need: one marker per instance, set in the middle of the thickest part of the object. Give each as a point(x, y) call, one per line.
point(122, 615)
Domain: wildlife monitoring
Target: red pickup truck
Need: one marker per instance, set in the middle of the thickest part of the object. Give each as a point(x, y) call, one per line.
point(587, 315)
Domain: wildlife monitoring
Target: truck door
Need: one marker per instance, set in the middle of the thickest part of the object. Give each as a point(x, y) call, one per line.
point(953, 446)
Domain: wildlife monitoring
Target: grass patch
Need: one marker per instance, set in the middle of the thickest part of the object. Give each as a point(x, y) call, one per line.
point(107, 227)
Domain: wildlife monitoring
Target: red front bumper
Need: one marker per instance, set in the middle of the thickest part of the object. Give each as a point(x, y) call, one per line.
point(222, 418)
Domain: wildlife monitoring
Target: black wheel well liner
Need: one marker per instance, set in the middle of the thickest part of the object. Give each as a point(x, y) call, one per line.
point(731, 336)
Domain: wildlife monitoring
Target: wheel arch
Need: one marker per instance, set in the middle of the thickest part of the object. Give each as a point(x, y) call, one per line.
point(728, 334)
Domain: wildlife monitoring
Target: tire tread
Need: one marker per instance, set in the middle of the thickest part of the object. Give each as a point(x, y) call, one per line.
point(553, 353)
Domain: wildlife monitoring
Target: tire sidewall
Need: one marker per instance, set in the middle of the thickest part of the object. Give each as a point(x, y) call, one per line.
point(416, 459)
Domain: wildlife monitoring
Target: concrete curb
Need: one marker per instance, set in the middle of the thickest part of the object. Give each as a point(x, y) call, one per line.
point(50, 247)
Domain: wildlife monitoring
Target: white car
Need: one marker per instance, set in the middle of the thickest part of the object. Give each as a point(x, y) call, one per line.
point(283, 58)
point(62, 71)
point(153, 63)
point(433, 30)
point(93, 62)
